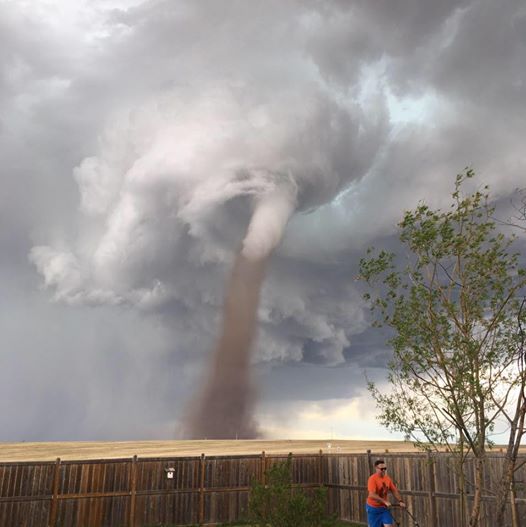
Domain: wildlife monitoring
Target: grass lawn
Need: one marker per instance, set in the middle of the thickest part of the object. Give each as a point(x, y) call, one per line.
point(339, 524)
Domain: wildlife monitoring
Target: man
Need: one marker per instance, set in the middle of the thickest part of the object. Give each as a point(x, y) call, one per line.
point(378, 485)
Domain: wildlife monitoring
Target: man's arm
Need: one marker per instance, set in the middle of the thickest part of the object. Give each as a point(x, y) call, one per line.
point(397, 495)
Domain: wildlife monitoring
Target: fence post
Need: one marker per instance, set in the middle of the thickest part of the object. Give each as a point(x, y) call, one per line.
point(202, 489)
point(369, 461)
point(54, 499)
point(289, 458)
point(133, 490)
point(320, 468)
point(263, 467)
point(432, 489)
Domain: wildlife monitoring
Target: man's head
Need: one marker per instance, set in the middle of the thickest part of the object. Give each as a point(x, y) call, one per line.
point(380, 467)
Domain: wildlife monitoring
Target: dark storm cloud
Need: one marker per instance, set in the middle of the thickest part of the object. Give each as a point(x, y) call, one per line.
point(386, 102)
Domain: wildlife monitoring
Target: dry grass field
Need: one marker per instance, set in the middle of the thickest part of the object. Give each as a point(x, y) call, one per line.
point(77, 450)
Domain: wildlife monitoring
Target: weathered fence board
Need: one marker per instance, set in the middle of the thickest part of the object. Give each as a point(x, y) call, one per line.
point(172, 509)
point(138, 492)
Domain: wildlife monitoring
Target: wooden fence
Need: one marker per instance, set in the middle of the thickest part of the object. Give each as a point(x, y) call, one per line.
point(141, 492)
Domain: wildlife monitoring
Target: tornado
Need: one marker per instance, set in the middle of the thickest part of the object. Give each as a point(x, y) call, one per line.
point(224, 409)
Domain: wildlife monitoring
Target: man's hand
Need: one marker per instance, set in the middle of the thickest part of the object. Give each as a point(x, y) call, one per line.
point(402, 504)
point(387, 503)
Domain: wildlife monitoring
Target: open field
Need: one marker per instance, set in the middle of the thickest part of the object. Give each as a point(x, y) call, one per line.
point(77, 450)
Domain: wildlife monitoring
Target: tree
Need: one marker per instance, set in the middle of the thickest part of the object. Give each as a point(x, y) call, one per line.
point(456, 312)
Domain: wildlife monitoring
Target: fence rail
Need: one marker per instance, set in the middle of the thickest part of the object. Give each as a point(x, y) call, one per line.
point(136, 492)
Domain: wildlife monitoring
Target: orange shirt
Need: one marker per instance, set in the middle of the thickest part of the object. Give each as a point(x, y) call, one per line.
point(381, 486)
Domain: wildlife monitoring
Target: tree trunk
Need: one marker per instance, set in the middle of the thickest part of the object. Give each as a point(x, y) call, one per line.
point(462, 491)
point(503, 492)
point(477, 498)
point(505, 487)
point(462, 482)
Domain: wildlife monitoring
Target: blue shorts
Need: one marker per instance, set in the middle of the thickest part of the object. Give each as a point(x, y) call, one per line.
point(378, 516)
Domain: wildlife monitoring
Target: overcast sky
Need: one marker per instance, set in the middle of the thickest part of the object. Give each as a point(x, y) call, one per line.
point(135, 136)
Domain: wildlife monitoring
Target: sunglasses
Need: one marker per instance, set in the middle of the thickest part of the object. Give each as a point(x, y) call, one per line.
point(382, 468)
